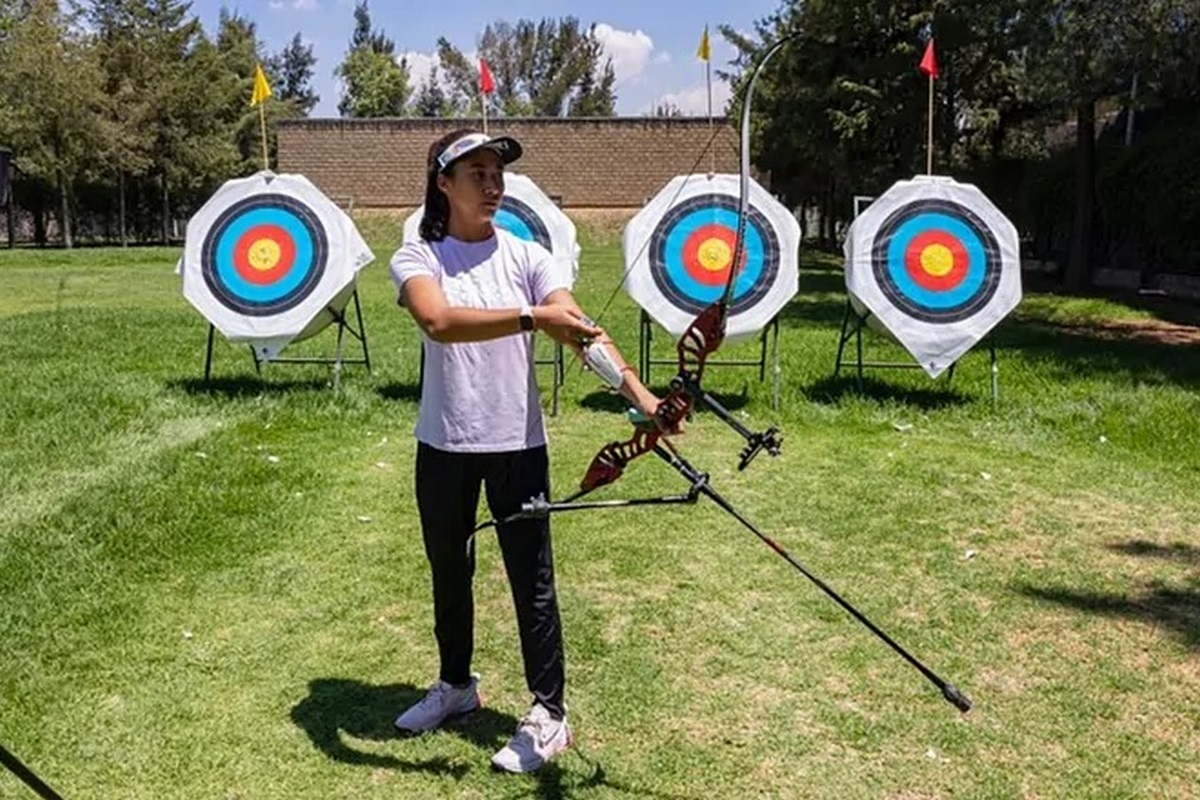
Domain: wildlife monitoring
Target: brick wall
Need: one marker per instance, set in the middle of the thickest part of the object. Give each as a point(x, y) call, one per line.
point(588, 162)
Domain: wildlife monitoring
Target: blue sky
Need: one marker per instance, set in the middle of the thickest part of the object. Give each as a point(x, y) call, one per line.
point(652, 44)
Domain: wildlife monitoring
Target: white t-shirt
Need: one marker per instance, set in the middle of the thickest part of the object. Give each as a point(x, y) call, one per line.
point(481, 397)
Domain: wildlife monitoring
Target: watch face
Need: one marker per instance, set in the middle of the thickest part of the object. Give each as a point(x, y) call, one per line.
point(526, 322)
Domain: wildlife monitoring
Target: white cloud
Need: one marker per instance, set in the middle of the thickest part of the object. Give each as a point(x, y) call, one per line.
point(299, 5)
point(629, 50)
point(694, 102)
point(419, 67)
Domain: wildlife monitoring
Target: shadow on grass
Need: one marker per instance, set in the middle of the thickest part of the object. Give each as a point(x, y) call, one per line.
point(247, 386)
point(1134, 352)
point(1085, 350)
point(337, 706)
point(552, 782)
point(400, 392)
point(1181, 553)
point(616, 404)
point(834, 388)
point(1174, 608)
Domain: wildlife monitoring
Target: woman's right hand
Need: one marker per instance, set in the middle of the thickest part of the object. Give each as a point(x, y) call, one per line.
point(564, 324)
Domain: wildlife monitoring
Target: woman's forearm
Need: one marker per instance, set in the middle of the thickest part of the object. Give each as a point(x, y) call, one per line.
point(460, 324)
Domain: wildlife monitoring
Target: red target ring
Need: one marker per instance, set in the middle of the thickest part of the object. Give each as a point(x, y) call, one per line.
point(708, 254)
point(936, 260)
point(264, 254)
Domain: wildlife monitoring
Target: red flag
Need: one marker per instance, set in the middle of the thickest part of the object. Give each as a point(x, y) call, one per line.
point(486, 84)
point(929, 61)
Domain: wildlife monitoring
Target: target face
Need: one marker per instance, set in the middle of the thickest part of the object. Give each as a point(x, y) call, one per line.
point(936, 261)
point(264, 255)
point(692, 250)
point(933, 263)
point(268, 259)
point(679, 252)
point(516, 217)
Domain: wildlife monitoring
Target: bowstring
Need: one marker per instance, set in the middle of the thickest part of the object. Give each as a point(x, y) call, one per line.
point(691, 173)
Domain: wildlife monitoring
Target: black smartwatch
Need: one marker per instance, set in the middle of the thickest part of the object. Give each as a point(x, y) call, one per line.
point(526, 318)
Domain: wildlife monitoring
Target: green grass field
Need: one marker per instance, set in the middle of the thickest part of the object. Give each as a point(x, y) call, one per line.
point(218, 590)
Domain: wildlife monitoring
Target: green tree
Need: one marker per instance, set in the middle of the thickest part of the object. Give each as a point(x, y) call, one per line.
point(374, 83)
point(549, 68)
point(293, 68)
point(432, 100)
point(51, 86)
point(1084, 53)
point(129, 139)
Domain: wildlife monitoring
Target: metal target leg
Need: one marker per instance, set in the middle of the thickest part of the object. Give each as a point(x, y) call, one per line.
point(644, 342)
point(778, 371)
point(858, 346)
point(362, 331)
point(558, 377)
point(208, 354)
point(762, 355)
point(337, 358)
point(837, 362)
point(995, 377)
point(27, 776)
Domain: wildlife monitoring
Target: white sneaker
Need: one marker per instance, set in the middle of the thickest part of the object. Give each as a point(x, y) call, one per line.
point(439, 704)
point(538, 739)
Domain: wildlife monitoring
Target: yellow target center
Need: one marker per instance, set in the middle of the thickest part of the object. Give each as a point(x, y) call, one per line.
point(937, 260)
point(264, 254)
point(714, 255)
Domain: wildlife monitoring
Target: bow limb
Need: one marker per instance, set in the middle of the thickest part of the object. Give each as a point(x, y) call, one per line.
point(706, 332)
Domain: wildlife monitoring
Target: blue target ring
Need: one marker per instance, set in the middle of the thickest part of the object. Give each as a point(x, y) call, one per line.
point(959, 287)
point(519, 219)
point(223, 255)
point(691, 251)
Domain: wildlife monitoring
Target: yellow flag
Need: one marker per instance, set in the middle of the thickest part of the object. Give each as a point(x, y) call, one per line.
point(262, 89)
point(702, 52)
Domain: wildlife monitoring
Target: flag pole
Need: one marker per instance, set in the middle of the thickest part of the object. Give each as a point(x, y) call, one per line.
point(712, 151)
point(929, 143)
point(258, 97)
point(483, 108)
point(262, 123)
point(704, 53)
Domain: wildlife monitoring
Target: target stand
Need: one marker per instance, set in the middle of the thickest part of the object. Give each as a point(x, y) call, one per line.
point(934, 265)
point(356, 330)
point(271, 261)
point(853, 323)
point(558, 361)
point(771, 331)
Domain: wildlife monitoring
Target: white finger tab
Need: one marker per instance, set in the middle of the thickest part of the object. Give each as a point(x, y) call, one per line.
point(601, 361)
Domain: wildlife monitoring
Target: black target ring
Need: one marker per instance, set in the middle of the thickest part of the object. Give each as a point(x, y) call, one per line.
point(264, 255)
point(692, 246)
point(936, 261)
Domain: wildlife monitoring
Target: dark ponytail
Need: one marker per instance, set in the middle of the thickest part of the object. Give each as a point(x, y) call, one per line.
point(437, 208)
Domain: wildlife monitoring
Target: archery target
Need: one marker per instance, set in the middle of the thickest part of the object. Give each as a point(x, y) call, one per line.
point(270, 259)
point(264, 255)
point(680, 248)
point(937, 261)
point(529, 214)
point(516, 217)
point(692, 250)
point(937, 264)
